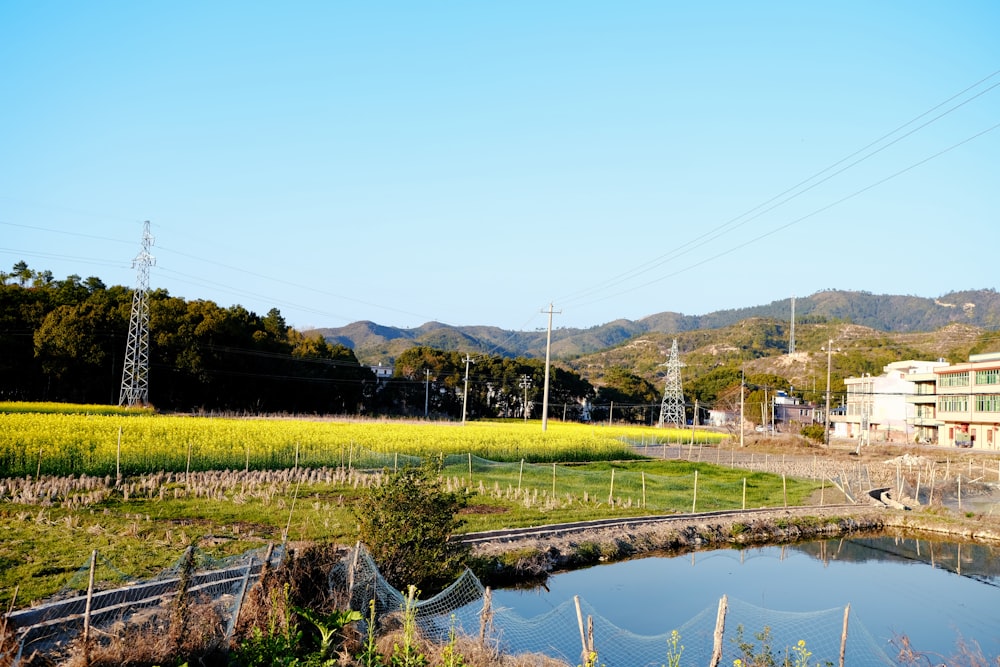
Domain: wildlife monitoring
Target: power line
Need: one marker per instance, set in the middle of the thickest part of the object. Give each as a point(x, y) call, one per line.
point(731, 224)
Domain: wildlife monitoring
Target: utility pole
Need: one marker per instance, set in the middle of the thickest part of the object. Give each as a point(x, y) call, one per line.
point(465, 397)
point(135, 374)
point(791, 332)
point(548, 355)
point(525, 384)
point(743, 383)
point(829, 358)
point(427, 391)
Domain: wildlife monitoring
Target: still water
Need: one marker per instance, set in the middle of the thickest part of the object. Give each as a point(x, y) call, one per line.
point(932, 592)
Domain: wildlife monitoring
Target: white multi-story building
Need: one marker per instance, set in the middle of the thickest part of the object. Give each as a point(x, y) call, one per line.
point(967, 403)
point(878, 408)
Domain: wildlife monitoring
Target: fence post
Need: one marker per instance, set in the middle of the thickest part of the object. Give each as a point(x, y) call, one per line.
point(239, 600)
point(583, 637)
point(843, 635)
point(720, 628)
point(486, 616)
point(350, 573)
point(88, 608)
point(694, 500)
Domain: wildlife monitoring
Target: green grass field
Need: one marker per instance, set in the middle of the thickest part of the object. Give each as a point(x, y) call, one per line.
point(516, 475)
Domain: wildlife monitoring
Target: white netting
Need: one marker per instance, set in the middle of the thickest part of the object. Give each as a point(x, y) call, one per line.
point(216, 585)
point(465, 606)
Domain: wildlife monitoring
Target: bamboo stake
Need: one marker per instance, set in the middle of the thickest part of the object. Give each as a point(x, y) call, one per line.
point(822, 490)
point(89, 607)
point(694, 500)
point(118, 458)
point(611, 493)
point(644, 489)
point(583, 636)
point(553, 479)
point(520, 475)
point(744, 493)
point(784, 488)
point(930, 501)
point(843, 635)
point(720, 628)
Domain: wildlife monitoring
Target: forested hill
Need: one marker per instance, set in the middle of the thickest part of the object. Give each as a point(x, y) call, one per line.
point(884, 312)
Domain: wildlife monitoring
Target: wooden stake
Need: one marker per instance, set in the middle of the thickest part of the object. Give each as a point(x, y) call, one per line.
point(611, 494)
point(843, 635)
point(784, 488)
point(644, 489)
point(553, 479)
point(720, 628)
point(486, 616)
point(520, 475)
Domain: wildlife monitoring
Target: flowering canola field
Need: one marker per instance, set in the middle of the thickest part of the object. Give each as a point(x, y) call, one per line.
point(54, 443)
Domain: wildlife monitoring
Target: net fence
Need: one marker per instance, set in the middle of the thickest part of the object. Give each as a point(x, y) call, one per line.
point(208, 588)
point(749, 631)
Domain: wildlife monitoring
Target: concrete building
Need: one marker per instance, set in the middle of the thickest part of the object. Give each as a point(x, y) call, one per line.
point(967, 404)
point(879, 408)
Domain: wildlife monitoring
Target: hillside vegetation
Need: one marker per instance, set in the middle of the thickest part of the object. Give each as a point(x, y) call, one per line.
point(896, 314)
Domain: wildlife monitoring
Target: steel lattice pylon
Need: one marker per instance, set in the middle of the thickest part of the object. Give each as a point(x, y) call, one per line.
point(672, 407)
point(135, 374)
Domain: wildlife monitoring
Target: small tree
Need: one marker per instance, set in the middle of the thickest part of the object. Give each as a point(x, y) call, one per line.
point(405, 521)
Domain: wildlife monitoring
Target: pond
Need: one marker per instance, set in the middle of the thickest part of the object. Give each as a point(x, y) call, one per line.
point(931, 592)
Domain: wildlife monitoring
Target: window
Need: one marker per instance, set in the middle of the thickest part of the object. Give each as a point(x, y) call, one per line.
point(953, 404)
point(991, 376)
point(954, 380)
point(988, 403)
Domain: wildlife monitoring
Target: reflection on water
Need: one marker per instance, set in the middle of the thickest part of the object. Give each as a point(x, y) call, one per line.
point(932, 592)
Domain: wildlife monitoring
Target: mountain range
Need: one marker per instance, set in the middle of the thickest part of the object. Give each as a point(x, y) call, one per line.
point(901, 314)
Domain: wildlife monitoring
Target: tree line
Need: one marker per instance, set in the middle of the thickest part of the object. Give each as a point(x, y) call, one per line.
point(65, 340)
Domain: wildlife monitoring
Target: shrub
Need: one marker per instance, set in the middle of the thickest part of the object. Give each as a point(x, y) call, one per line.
point(405, 521)
point(814, 432)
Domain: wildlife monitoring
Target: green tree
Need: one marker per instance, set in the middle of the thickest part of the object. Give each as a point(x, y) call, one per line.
point(405, 522)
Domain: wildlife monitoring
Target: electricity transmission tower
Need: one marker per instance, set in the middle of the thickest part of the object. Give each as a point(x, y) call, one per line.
point(672, 407)
point(135, 374)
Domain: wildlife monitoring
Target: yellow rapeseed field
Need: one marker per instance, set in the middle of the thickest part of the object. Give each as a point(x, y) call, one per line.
point(74, 443)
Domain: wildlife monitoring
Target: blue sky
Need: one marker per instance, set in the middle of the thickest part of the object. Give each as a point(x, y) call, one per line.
point(472, 162)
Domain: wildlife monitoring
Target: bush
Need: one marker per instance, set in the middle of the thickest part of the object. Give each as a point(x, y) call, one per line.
point(405, 521)
point(814, 432)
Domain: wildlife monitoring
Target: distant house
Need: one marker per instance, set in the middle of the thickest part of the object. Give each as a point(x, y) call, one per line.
point(792, 412)
point(382, 373)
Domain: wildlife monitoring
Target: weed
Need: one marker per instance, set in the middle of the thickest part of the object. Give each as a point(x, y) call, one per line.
point(408, 654)
point(674, 649)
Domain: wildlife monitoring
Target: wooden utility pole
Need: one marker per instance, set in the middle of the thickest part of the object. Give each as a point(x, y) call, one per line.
point(548, 356)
